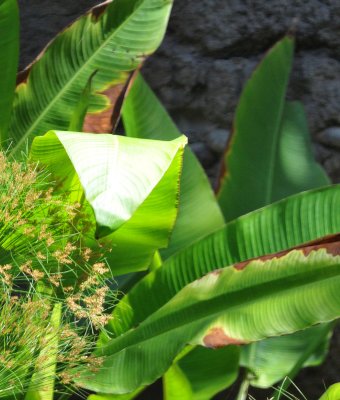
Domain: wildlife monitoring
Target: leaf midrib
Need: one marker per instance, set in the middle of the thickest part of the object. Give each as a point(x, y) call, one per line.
point(199, 310)
point(75, 76)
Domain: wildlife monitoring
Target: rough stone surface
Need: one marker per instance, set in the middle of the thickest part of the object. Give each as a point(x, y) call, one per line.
point(330, 137)
point(217, 140)
point(213, 45)
point(210, 50)
point(41, 20)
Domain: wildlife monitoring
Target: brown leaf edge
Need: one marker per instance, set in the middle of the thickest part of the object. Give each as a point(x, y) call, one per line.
point(216, 337)
point(106, 121)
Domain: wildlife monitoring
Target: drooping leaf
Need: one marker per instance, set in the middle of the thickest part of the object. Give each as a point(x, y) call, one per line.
point(248, 182)
point(126, 181)
point(113, 38)
point(199, 213)
point(202, 373)
point(251, 301)
point(9, 50)
point(298, 219)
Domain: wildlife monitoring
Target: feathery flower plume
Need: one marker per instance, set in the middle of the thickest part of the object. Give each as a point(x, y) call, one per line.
point(53, 291)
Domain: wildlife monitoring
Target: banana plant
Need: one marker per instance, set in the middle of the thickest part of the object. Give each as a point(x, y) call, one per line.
point(284, 165)
point(236, 270)
point(113, 38)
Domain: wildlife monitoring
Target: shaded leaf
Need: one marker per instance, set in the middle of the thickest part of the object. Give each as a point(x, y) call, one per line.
point(250, 159)
point(269, 157)
point(274, 359)
point(202, 373)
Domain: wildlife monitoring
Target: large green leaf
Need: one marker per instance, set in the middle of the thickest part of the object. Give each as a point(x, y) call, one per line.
point(113, 38)
point(270, 157)
point(9, 50)
point(126, 181)
point(248, 183)
point(199, 214)
point(295, 170)
point(254, 300)
point(201, 374)
point(288, 223)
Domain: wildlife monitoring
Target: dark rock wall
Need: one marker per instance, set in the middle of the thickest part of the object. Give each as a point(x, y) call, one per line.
point(213, 45)
point(41, 20)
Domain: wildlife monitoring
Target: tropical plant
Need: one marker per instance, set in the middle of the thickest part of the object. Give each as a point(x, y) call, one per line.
point(235, 271)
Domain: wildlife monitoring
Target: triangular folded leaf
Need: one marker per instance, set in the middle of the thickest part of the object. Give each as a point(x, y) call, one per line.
point(126, 181)
point(117, 173)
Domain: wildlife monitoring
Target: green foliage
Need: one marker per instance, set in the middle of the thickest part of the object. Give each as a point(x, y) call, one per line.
point(202, 373)
point(9, 50)
point(231, 306)
point(145, 117)
point(108, 205)
point(270, 150)
point(112, 39)
point(125, 181)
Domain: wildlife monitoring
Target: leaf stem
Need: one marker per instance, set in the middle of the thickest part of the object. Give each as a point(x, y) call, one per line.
point(243, 392)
